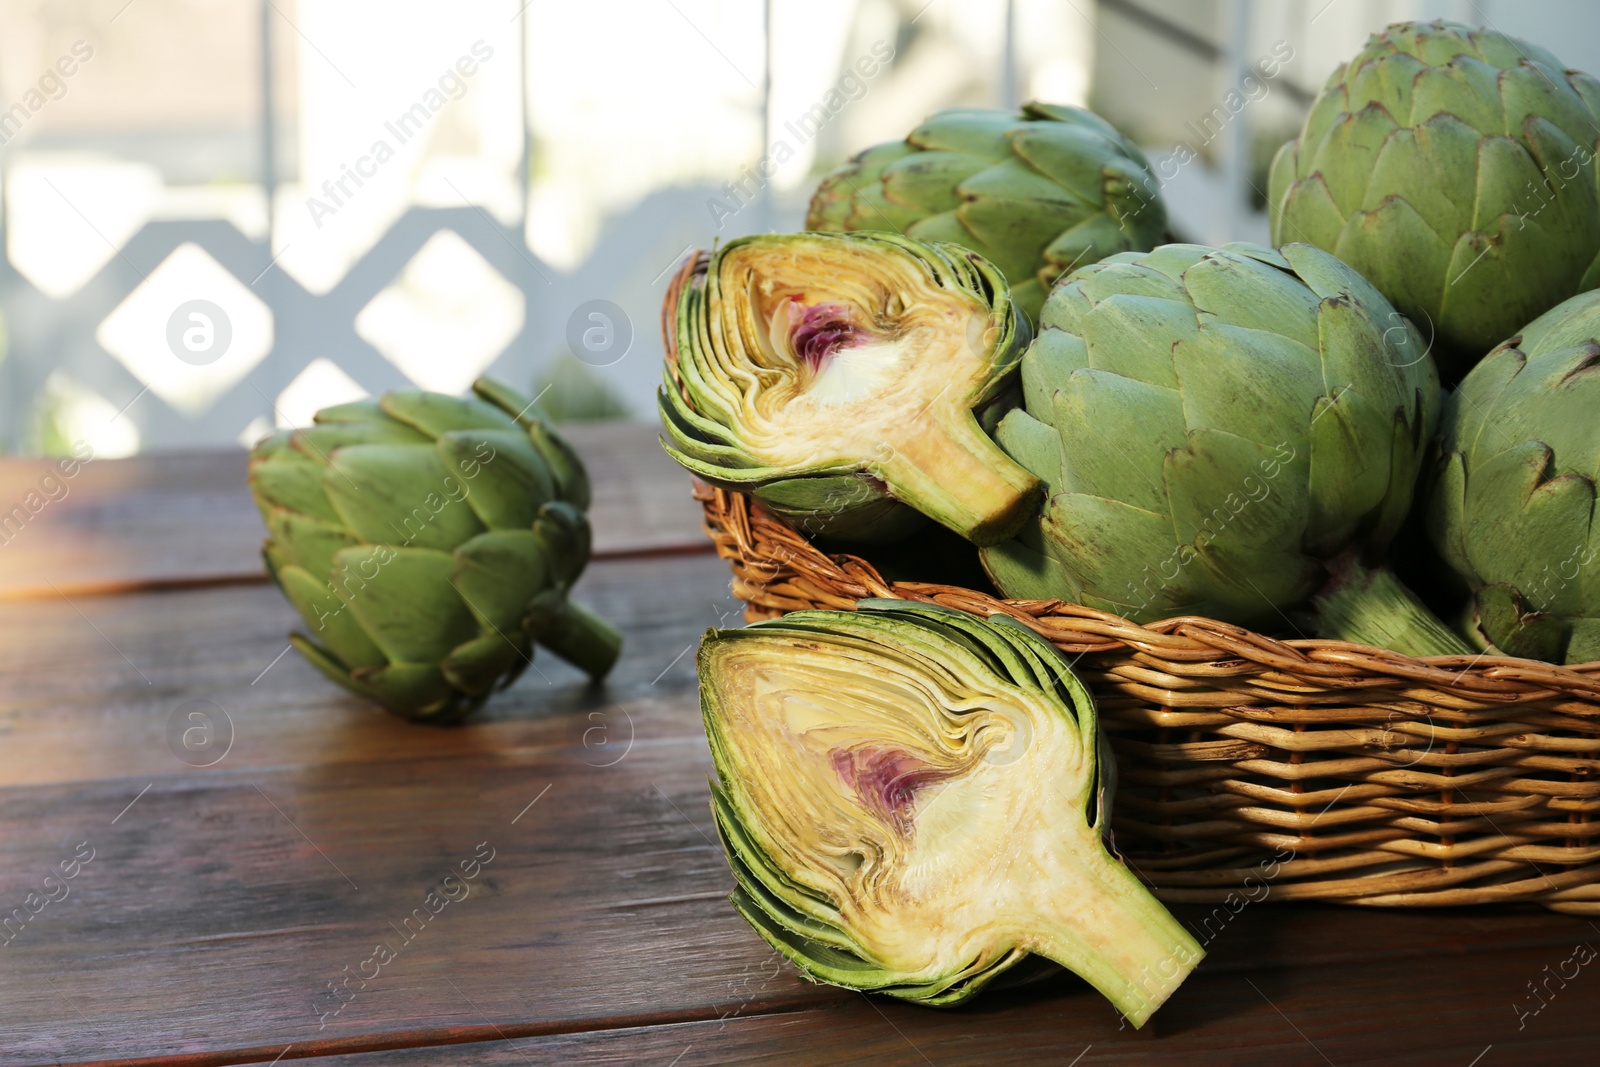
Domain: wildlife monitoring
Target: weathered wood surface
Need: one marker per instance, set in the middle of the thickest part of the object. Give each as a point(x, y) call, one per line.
point(1342, 1015)
point(186, 518)
point(91, 683)
point(222, 900)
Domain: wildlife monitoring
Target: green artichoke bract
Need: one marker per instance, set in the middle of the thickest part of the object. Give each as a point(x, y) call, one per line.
point(1454, 168)
point(835, 378)
point(1513, 508)
point(428, 541)
point(1217, 430)
point(913, 800)
point(1036, 193)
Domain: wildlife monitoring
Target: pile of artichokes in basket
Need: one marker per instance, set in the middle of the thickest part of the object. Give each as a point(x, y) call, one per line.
point(982, 330)
point(987, 337)
point(1239, 432)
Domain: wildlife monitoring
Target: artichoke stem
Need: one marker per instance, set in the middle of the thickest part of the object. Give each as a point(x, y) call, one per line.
point(1371, 606)
point(952, 472)
point(583, 639)
point(1466, 620)
point(1105, 926)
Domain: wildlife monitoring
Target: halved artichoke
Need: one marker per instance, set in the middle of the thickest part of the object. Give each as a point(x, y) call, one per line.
point(835, 377)
point(913, 800)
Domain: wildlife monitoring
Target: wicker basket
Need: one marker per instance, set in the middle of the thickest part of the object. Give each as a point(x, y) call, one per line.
point(1250, 767)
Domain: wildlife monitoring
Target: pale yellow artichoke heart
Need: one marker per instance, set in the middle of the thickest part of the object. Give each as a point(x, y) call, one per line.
point(913, 355)
point(895, 795)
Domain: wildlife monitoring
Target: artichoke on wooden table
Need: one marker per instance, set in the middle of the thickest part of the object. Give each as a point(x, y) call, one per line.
point(428, 542)
point(914, 800)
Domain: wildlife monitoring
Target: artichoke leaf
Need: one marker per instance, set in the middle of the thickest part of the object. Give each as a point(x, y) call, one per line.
point(498, 573)
point(970, 130)
point(408, 606)
point(307, 542)
point(927, 181)
point(477, 667)
point(434, 414)
point(1026, 572)
point(500, 475)
point(334, 628)
point(291, 482)
point(1515, 628)
point(400, 494)
point(1134, 334)
point(412, 690)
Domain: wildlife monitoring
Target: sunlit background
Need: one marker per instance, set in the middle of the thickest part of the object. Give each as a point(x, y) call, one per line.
point(358, 195)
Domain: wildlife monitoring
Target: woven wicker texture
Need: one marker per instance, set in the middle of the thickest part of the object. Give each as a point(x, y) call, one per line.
point(1253, 768)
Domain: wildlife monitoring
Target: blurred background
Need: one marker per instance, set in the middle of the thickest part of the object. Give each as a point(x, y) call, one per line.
point(220, 215)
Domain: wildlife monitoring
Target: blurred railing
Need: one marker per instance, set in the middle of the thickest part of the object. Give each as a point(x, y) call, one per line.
point(59, 334)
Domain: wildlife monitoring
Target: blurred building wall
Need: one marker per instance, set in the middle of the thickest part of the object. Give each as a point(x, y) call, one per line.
point(355, 195)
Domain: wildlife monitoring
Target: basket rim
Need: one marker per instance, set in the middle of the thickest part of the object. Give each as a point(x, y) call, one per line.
point(777, 569)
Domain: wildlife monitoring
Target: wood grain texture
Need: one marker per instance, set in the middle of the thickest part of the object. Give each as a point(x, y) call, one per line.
point(185, 518)
point(221, 901)
point(1342, 1015)
point(91, 683)
point(227, 897)
point(215, 914)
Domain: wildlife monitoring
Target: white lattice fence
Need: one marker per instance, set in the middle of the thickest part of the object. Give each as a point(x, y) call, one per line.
point(47, 334)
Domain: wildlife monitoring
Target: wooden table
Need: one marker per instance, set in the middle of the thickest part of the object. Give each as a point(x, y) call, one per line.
point(227, 913)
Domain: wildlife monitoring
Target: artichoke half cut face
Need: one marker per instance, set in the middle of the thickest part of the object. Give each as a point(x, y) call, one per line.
point(835, 378)
point(913, 800)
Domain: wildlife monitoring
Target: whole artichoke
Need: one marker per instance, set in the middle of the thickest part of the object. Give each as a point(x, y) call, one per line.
point(836, 377)
point(1035, 193)
point(428, 541)
point(1513, 508)
point(1455, 169)
point(1218, 430)
point(913, 800)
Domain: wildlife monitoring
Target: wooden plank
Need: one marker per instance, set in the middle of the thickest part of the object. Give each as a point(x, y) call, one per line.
point(182, 518)
point(1425, 1009)
point(92, 684)
point(1419, 1016)
point(217, 911)
point(221, 901)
